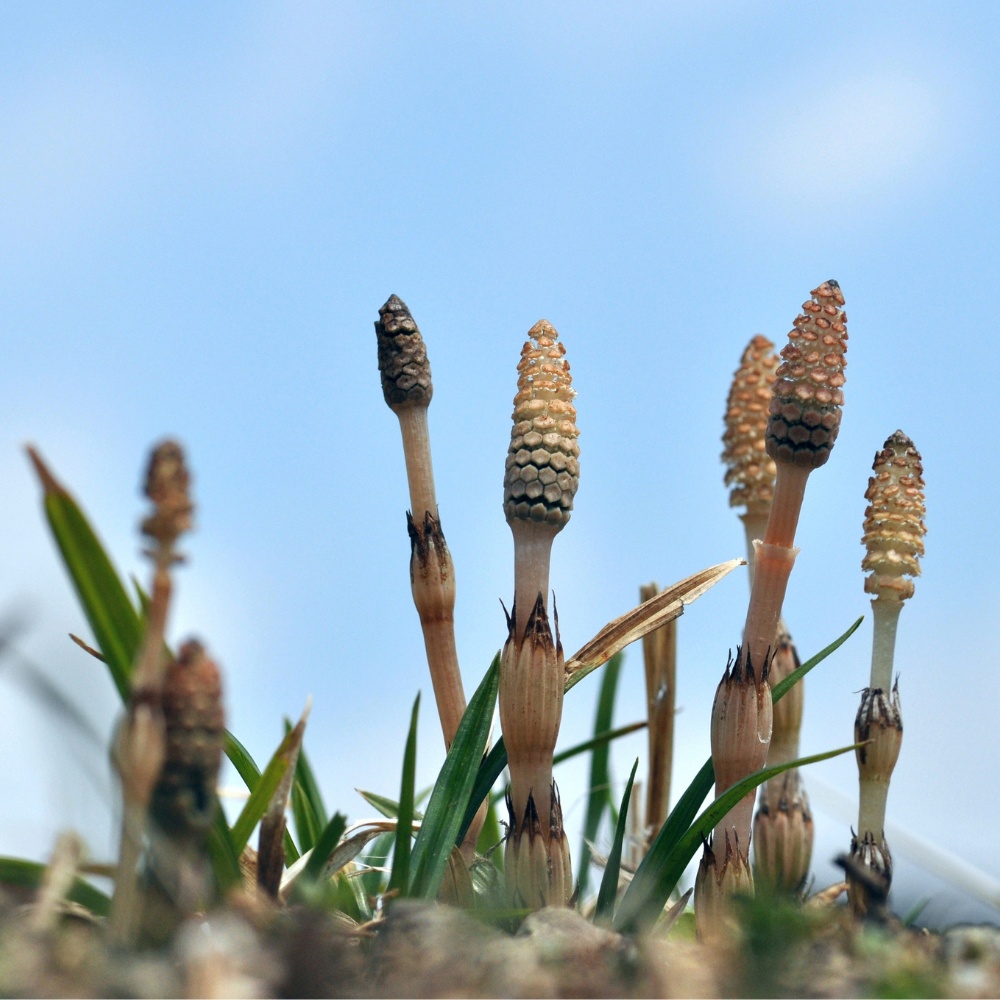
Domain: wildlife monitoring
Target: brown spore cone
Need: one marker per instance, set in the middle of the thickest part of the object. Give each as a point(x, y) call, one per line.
point(542, 471)
point(402, 357)
point(750, 470)
point(805, 409)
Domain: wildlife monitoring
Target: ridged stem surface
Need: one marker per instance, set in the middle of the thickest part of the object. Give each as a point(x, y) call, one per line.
point(754, 526)
point(532, 557)
point(885, 619)
point(659, 651)
point(417, 453)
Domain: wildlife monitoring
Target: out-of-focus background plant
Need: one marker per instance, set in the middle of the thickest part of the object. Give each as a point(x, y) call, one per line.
point(201, 211)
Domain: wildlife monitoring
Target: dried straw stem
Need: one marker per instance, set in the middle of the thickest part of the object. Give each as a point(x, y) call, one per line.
point(659, 653)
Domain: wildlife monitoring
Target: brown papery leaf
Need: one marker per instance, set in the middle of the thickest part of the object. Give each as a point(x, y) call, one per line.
point(667, 605)
point(271, 845)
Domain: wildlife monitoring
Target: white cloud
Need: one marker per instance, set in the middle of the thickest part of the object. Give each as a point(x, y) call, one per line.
point(868, 132)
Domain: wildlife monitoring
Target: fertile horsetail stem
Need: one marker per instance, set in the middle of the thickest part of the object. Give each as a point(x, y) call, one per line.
point(407, 387)
point(141, 744)
point(803, 422)
point(750, 470)
point(893, 538)
point(541, 479)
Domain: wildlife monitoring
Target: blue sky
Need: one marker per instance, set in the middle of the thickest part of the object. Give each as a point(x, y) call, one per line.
point(202, 208)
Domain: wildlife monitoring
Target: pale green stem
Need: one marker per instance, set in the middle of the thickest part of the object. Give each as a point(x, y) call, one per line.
point(885, 618)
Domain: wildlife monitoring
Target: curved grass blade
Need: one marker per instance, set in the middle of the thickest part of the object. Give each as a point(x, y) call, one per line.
point(271, 857)
point(490, 837)
point(29, 875)
point(609, 882)
point(307, 825)
point(262, 793)
point(386, 806)
point(247, 769)
point(325, 846)
point(779, 689)
point(490, 769)
point(312, 872)
point(400, 877)
point(661, 869)
point(106, 605)
point(222, 852)
point(608, 736)
point(648, 616)
point(450, 798)
point(600, 775)
point(308, 809)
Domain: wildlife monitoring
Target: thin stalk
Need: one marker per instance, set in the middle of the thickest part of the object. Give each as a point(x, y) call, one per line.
point(532, 555)
point(885, 619)
point(415, 431)
point(141, 745)
point(754, 526)
point(408, 389)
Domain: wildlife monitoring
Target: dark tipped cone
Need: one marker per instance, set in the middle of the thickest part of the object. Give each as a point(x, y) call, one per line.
point(402, 357)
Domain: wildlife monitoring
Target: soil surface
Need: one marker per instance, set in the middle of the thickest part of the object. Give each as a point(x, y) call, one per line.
point(432, 950)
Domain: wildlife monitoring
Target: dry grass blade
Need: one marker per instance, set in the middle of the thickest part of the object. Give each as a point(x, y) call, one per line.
point(270, 845)
point(664, 607)
point(354, 840)
point(671, 916)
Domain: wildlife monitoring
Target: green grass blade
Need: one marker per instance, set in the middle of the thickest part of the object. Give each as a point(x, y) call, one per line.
point(660, 871)
point(105, 602)
point(381, 803)
point(490, 769)
point(327, 843)
point(450, 798)
point(600, 774)
point(29, 875)
point(390, 807)
point(224, 855)
point(793, 678)
point(261, 794)
point(242, 760)
point(608, 736)
point(608, 892)
point(308, 809)
point(305, 779)
point(490, 836)
point(307, 826)
point(247, 769)
point(400, 878)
